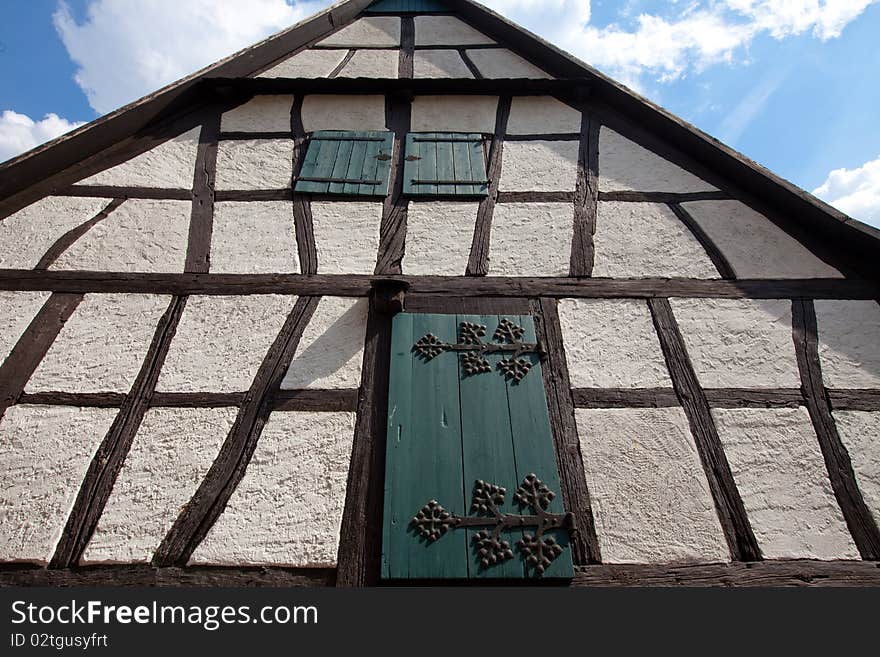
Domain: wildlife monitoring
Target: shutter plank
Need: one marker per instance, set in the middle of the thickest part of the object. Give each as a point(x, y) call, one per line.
point(533, 441)
point(424, 452)
point(487, 449)
point(478, 167)
point(445, 165)
point(309, 166)
point(427, 167)
point(461, 167)
point(356, 167)
point(410, 165)
point(341, 164)
point(383, 164)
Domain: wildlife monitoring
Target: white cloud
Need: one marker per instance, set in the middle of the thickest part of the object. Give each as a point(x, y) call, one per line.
point(854, 191)
point(127, 48)
point(20, 133)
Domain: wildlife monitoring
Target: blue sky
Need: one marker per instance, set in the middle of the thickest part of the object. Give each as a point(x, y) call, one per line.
point(794, 85)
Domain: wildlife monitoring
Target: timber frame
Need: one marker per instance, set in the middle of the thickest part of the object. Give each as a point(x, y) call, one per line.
point(199, 100)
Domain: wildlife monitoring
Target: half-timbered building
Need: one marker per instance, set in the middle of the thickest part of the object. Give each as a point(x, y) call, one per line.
point(405, 293)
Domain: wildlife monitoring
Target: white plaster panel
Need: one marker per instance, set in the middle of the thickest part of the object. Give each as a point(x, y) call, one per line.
point(102, 346)
point(531, 239)
point(753, 245)
point(370, 31)
point(17, 310)
point(849, 343)
point(221, 342)
point(439, 64)
point(372, 64)
point(346, 236)
point(139, 236)
point(780, 473)
point(257, 237)
point(860, 433)
point(332, 112)
point(650, 496)
point(495, 63)
point(255, 164)
point(45, 452)
point(260, 114)
point(331, 351)
point(541, 115)
point(438, 238)
point(739, 343)
point(539, 166)
point(454, 114)
point(312, 63)
point(447, 31)
point(169, 458)
point(646, 239)
point(624, 165)
point(170, 164)
point(26, 235)
point(288, 508)
point(611, 343)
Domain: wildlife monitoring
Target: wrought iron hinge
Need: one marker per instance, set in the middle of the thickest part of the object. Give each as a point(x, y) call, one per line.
point(538, 550)
point(506, 340)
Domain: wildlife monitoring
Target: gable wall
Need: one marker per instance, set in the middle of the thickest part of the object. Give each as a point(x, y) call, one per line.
point(563, 176)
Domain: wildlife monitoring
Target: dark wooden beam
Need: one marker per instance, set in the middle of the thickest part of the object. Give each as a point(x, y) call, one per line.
point(452, 305)
point(145, 575)
point(228, 469)
point(302, 204)
point(550, 136)
point(70, 237)
point(575, 493)
point(666, 397)
point(725, 269)
point(201, 225)
point(462, 52)
point(358, 285)
point(407, 47)
point(107, 191)
point(859, 519)
point(345, 60)
point(315, 400)
point(478, 261)
point(361, 534)
point(32, 346)
point(107, 461)
point(854, 400)
point(247, 136)
point(586, 198)
point(392, 230)
point(662, 197)
point(728, 503)
point(81, 399)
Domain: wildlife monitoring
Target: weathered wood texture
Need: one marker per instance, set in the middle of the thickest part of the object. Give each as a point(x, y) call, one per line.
point(861, 523)
point(360, 539)
point(663, 197)
point(478, 262)
point(108, 460)
point(666, 397)
point(728, 503)
point(341, 65)
point(355, 285)
point(201, 225)
point(392, 231)
point(302, 205)
point(113, 191)
point(407, 47)
point(228, 469)
point(33, 345)
point(462, 52)
point(725, 270)
point(586, 200)
point(70, 237)
point(854, 400)
point(584, 542)
point(172, 577)
point(432, 303)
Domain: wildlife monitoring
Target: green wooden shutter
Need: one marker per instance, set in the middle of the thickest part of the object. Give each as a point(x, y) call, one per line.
point(352, 163)
point(445, 164)
point(447, 430)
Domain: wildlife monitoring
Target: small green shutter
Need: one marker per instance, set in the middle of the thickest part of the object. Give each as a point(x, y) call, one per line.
point(445, 164)
point(455, 418)
point(353, 163)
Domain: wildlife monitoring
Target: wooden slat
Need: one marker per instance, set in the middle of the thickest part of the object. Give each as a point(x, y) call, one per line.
point(407, 47)
point(69, 238)
point(722, 264)
point(228, 469)
point(201, 225)
point(728, 503)
point(854, 400)
point(357, 167)
point(533, 444)
point(666, 397)
point(487, 451)
point(859, 519)
point(302, 205)
point(392, 231)
point(586, 198)
point(341, 167)
point(445, 166)
point(662, 197)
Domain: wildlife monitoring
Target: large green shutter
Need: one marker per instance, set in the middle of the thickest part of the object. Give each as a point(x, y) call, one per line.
point(350, 163)
point(445, 164)
point(446, 431)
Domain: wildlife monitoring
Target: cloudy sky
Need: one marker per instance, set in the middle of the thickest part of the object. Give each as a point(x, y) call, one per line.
point(793, 84)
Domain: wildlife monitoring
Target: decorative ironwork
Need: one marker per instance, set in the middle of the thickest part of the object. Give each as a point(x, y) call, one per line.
point(473, 351)
point(538, 549)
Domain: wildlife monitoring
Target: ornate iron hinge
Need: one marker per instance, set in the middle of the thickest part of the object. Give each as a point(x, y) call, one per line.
point(507, 340)
point(538, 550)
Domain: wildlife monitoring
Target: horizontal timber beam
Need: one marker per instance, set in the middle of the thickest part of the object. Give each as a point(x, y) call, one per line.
point(666, 397)
point(358, 285)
